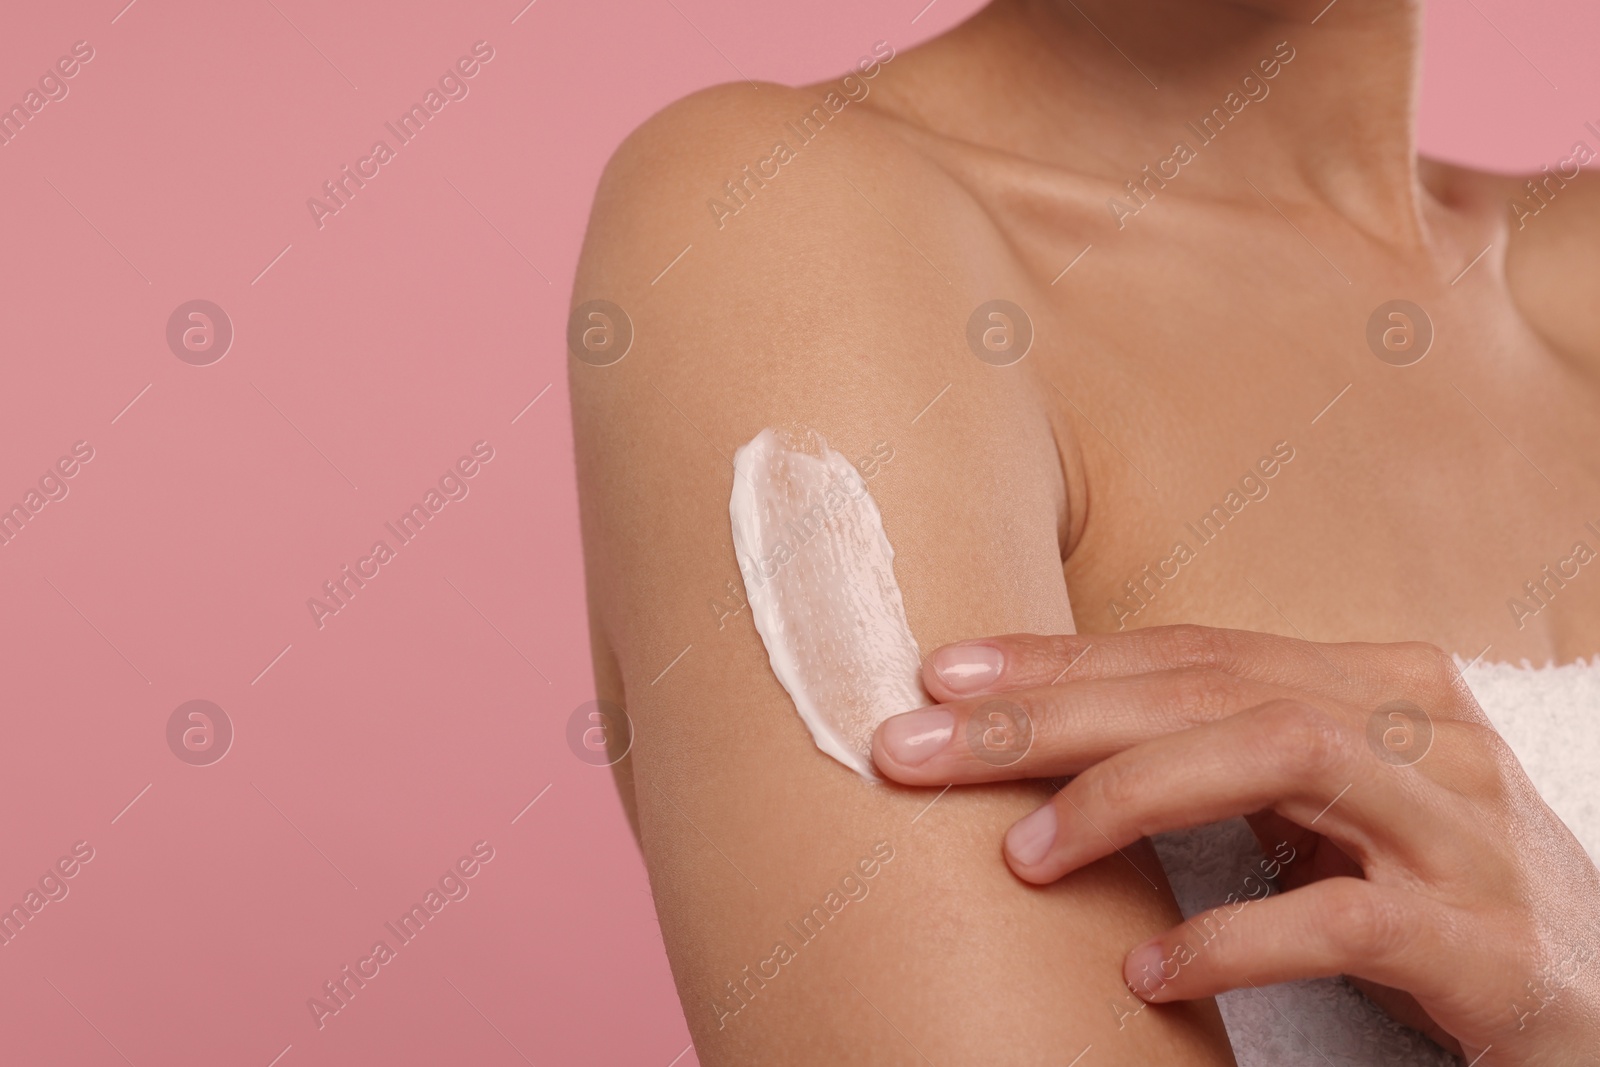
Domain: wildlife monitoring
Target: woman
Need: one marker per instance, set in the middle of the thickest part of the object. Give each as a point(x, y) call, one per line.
point(1128, 315)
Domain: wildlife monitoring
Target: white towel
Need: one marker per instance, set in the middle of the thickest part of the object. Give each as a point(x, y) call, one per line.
point(1549, 716)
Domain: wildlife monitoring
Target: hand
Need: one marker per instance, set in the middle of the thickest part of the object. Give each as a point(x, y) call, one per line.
point(1425, 865)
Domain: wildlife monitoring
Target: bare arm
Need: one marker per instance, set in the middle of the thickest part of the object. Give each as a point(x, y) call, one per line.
point(836, 299)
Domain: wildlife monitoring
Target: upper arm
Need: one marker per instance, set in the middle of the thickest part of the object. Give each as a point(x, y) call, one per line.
point(837, 300)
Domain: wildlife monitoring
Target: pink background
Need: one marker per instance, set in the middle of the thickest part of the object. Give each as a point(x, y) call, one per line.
point(423, 317)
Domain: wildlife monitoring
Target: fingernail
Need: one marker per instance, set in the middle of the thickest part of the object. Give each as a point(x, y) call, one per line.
point(968, 668)
point(917, 736)
point(1030, 838)
point(1142, 970)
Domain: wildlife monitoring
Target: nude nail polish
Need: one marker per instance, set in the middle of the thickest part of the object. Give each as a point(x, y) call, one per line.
point(968, 668)
point(1030, 838)
point(1142, 970)
point(917, 736)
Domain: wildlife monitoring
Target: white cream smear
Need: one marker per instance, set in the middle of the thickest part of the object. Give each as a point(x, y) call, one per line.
point(819, 576)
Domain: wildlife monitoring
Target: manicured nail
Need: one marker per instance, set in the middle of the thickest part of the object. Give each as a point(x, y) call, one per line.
point(1030, 838)
point(1142, 970)
point(968, 668)
point(917, 736)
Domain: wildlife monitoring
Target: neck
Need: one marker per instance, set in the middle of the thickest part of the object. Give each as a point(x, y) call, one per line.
point(1335, 128)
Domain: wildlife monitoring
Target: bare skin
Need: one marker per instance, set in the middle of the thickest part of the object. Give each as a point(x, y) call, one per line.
point(1207, 328)
point(1435, 877)
point(1214, 326)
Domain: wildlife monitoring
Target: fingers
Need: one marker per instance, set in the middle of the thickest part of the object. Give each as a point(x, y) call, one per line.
point(1049, 731)
point(1336, 926)
point(1014, 661)
point(1363, 672)
point(1314, 856)
point(1290, 757)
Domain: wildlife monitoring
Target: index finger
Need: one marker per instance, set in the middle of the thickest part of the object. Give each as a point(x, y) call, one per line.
point(1023, 661)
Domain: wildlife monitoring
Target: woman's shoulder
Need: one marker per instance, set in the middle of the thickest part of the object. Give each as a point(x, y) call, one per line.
point(749, 171)
point(775, 238)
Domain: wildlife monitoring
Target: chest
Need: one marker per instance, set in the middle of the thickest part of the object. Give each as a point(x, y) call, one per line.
point(1283, 431)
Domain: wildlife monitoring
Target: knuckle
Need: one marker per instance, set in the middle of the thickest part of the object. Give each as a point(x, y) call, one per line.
point(1199, 695)
point(1483, 743)
point(1058, 650)
point(1114, 786)
point(1305, 739)
point(1196, 646)
point(1482, 761)
point(1363, 923)
point(1428, 668)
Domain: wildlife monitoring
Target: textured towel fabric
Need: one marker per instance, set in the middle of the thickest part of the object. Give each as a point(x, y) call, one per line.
point(1549, 716)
